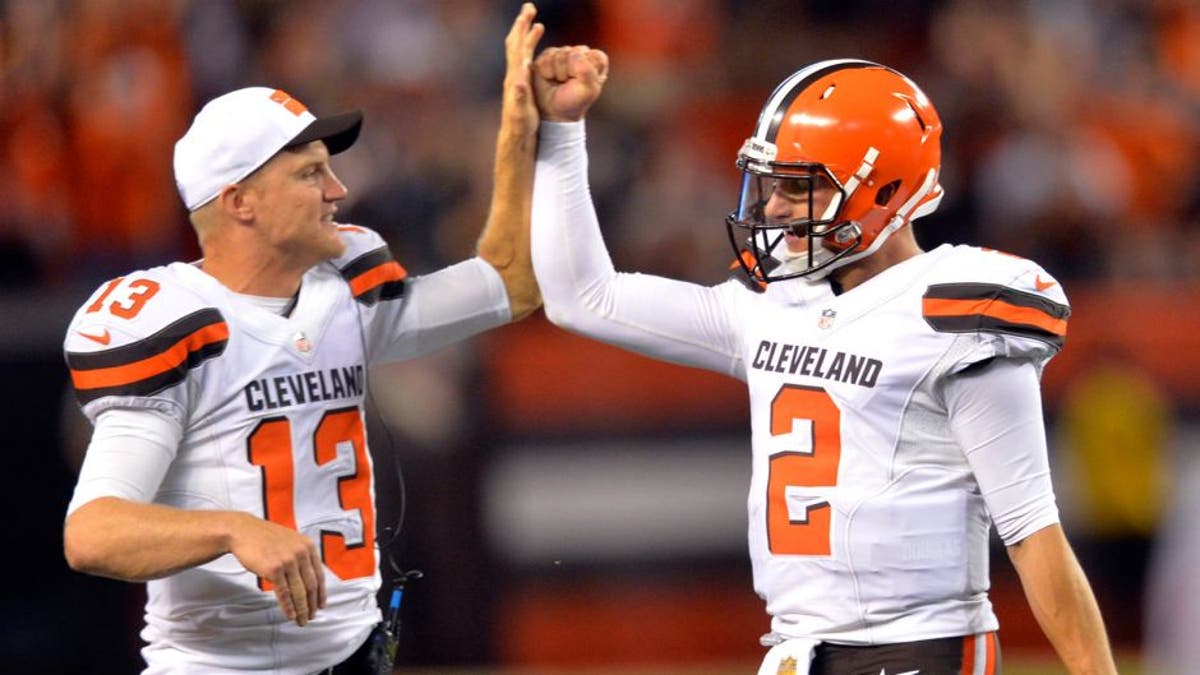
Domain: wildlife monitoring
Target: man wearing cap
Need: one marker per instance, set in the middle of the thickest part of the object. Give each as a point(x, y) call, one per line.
point(228, 467)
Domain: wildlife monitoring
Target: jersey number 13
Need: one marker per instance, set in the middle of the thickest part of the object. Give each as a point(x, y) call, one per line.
point(270, 448)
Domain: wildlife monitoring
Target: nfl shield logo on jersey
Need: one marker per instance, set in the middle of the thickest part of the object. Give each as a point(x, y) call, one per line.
point(787, 667)
point(302, 344)
point(826, 320)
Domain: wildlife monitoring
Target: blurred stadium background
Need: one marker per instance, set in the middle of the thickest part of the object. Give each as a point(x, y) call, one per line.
point(576, 509)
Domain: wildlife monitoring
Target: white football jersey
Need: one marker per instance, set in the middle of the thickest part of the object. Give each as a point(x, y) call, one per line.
point(871, 498)
point(866, 522)
point(272, 413)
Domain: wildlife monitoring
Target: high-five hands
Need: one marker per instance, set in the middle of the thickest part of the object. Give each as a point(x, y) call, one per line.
point(568, 80)
point(518, 108)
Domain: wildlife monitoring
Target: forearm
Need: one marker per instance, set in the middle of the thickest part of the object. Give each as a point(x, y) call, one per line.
point(662, 318)
point(569, 254)
point(504, 242)
point(1062, 601)
point(127, 540)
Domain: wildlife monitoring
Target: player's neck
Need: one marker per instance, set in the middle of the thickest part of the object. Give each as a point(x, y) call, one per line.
point(899, 247)
point(252, 273)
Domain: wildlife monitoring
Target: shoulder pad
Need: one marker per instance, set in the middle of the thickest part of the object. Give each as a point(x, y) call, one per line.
point(981, 290)
point(368, 266)
point(139, 334)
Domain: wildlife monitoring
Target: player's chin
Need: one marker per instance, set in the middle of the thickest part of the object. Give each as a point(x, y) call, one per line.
point(331, 244)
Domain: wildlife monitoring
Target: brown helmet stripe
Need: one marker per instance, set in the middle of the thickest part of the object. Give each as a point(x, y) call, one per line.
point(781, 99)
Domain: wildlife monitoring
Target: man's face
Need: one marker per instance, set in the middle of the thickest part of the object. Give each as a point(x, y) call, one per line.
point(295, 197)
point(789, 201)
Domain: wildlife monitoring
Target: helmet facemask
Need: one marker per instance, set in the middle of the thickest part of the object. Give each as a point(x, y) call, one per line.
point(787, 221)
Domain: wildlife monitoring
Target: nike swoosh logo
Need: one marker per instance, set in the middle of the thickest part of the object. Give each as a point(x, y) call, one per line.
point(1041, 286)
point(907, 672)
point(103, 338)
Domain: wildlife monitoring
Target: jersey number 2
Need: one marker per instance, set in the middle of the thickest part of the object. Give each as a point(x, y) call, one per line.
point(806, 528)
point(270, 447)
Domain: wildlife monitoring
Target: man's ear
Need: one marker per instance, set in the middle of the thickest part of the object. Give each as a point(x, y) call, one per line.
point(235, 201)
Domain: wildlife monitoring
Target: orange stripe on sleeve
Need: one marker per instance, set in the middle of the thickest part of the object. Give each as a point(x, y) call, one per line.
point(997, 309)
point(154, 365)
point(380, 274)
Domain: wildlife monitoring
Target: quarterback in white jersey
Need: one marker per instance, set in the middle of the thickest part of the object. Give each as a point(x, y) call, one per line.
point(894, 393)
point(229, 466)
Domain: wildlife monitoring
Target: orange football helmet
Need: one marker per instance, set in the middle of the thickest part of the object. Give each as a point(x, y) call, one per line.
point(845, 152)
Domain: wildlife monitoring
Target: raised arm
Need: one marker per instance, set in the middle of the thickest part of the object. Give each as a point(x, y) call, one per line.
point(504, 242)
point(663, 318)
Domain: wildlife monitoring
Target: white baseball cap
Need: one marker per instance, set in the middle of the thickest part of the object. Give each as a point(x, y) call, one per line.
point(236, 133)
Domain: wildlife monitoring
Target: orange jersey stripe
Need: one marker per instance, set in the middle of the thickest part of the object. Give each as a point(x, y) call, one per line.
point(997, 309)
point(165, 360)
point(380, 274)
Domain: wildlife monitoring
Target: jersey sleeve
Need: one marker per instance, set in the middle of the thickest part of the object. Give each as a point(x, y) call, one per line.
point(996, 416)
point(135, 342)
point(407, 316)
point(1003, 306)
point(129, 454)
point(667, 319)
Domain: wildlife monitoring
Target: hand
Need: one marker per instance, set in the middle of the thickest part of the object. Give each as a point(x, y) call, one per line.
point(286, 558)
point(568, 80)
point(518, 111)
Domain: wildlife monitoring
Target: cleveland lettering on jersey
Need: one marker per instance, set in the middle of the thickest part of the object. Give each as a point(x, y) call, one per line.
point(816, 362)
point(282, 391)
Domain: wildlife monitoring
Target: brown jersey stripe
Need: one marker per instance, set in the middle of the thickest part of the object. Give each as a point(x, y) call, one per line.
point(152, 364)
point(375, 276)
point(996, 309)
point(187, 353)
point(157, 343)
point(964, 308)
point(998, 292)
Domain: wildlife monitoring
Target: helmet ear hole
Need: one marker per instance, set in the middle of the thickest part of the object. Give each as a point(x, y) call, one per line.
point(884, 195)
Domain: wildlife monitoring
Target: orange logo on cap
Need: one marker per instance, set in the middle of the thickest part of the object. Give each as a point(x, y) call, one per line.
point(285, 99)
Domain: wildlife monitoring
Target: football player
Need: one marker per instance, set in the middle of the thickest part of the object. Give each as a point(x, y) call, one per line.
point(229, 465)
point(895, 399)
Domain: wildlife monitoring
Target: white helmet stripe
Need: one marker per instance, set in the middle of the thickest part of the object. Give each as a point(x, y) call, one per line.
point(927, 186)
point(898, 220)
point(864, 170)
